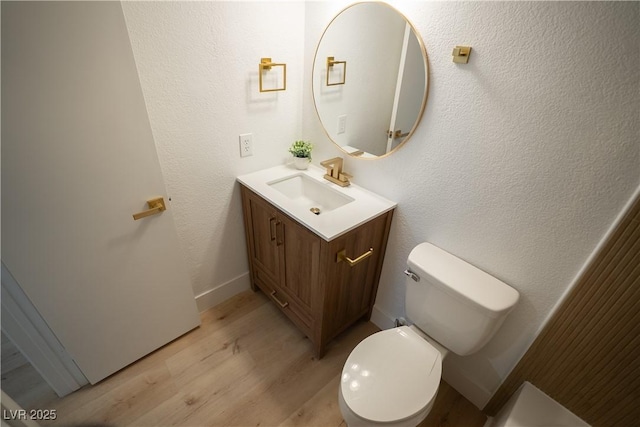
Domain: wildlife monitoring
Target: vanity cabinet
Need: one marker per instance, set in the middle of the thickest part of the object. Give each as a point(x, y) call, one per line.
point(304, 274)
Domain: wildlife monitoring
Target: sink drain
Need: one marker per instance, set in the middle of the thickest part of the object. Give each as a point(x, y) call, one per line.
point(315, 211)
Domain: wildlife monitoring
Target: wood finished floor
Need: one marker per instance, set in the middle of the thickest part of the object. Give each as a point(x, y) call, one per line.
point(246, 365)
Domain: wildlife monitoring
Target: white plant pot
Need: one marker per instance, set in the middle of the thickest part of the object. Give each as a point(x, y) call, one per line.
point(301, 163)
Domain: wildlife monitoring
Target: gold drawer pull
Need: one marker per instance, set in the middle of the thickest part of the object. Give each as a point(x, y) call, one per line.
point(280, 303)
point(342, 256)
point(155, 207)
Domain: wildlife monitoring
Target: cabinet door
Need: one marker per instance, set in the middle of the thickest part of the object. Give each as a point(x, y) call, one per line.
point(351, 289)
point(300, 261)
point(264, 242)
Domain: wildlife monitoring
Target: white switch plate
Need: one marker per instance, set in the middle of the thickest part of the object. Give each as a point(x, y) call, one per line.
point(246, 145)
point(342, 123)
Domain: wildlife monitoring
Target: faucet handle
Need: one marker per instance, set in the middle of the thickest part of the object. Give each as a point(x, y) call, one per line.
point(334, 171)
point(331, 162)
point(344, 177)
point(328, 167)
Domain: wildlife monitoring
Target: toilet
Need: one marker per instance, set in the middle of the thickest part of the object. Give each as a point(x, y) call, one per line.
point(391, 378)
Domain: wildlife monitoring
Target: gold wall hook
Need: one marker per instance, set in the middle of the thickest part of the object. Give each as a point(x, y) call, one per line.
point(330, 63)
point(266, 65)
point(155, 207)
point(461, 54)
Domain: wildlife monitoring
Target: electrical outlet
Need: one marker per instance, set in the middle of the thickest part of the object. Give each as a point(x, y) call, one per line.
point(342, 123)
point(246, 145)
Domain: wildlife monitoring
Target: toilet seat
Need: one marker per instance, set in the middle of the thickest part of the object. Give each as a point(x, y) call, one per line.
point(391, 375)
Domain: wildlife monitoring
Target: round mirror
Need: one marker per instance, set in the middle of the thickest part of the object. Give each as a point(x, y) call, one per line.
point(370, 79)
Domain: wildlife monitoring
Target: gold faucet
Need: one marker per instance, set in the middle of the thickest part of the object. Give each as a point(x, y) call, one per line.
point(335, 173)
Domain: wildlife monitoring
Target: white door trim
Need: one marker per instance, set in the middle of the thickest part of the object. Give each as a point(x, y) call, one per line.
point(22, 323)
point(396, 97)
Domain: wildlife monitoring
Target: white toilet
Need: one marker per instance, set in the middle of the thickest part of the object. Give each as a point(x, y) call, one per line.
point(391, 378)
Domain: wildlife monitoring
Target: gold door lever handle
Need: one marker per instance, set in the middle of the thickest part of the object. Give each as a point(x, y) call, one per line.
point(342, 256)
point(155, 207)
point(399, 134)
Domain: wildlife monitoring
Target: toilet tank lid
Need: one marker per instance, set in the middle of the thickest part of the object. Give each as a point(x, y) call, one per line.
point(462, 279)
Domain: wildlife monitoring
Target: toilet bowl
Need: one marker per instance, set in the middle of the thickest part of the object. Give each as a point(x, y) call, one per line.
point(391, 378)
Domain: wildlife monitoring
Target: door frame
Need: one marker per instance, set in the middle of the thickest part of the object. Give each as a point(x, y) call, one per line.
point(24, 326)
point(396, 97)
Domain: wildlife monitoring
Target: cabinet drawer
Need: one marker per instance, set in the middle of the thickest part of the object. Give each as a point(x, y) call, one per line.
point(287, 305)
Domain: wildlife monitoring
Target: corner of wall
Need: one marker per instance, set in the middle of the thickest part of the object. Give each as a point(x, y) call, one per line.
point(220, 293)
point(382, 319)
point(473, 392)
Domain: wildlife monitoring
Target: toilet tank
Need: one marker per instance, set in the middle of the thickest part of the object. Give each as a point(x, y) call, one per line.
point(453, 302)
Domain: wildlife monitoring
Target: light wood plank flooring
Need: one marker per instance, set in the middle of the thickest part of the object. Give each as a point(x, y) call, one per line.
point(247, 365)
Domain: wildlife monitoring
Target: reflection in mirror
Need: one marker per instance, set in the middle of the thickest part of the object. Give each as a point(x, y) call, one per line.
point(381, 101)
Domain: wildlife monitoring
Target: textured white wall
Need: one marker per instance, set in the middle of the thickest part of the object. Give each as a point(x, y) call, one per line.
point(522, 160)
point(198, 66)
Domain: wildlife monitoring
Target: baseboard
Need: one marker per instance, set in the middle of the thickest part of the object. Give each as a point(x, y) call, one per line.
point(473, 392)
point(381, 319)
point(223, 292)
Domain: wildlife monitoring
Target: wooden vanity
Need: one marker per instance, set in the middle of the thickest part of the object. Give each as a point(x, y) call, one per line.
point(309, 277)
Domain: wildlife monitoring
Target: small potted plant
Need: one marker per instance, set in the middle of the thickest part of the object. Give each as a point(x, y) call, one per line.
point(301, 151)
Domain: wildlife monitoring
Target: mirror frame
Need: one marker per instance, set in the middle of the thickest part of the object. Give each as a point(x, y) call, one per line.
point(426, 89)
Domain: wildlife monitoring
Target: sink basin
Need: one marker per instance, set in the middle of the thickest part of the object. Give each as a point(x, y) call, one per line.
point(310, 193)
point(299, 193)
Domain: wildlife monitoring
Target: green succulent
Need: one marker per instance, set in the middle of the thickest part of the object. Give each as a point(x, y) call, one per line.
point(301, 149)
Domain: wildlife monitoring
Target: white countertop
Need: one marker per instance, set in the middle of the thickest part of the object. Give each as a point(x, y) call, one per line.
point(328, 225)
